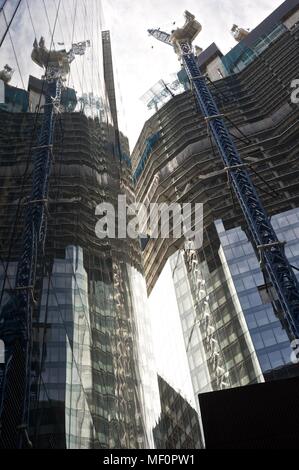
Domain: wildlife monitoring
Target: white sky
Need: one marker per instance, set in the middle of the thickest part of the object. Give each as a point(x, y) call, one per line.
point(139, 67)
point(168, 341)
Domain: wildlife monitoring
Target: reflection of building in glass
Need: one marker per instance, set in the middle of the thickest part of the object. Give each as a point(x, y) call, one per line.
point(89, 359)
point(178, 426)
point(269, 337)
point(65, 307)
point(174, 148)
point(233, 334)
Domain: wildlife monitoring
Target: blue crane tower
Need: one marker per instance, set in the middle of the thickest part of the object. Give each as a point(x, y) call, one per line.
point(271, 251)
point(16, 313)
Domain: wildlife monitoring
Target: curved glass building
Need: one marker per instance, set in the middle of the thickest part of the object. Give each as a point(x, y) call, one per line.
point(90, 314)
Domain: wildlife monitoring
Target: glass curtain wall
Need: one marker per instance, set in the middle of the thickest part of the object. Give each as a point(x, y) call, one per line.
point(87, 374)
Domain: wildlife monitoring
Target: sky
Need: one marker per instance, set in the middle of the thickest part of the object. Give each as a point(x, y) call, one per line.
point(168, 341)
point(139, 60)
point(76, 21)
point(138, 66)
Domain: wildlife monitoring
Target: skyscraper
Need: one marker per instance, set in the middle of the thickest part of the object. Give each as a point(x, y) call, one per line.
point(234, 331)
point(234, 334)
point(89, 293)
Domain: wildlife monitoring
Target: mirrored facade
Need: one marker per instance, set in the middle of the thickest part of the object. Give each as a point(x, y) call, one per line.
point(269, 337)
point(233, 333)
point(178, 426)
point(91, 359)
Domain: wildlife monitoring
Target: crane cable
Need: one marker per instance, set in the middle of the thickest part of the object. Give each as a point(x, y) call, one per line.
point(8, 25)
point(14, 50)
point(53, 287)
point(17, 214)
point(27, 165)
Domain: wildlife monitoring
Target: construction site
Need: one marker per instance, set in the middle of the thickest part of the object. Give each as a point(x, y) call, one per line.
point(80, 368)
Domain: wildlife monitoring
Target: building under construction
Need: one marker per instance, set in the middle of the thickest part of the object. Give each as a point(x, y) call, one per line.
point(88, 298)
point(221, 290)
point(78, 370)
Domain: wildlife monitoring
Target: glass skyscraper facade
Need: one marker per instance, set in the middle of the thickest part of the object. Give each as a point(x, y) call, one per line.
point(270, 339)
point(178, 426)
point(90, 373)
point(219, 348)
point(233, 332)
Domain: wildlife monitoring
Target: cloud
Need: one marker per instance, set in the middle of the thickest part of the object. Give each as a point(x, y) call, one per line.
point(138, 65)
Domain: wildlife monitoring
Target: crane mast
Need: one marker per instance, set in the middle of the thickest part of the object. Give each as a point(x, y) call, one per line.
point(17, 312)
point(266, 244)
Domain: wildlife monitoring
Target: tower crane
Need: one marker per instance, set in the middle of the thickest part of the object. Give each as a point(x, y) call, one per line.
point(263, 237)
point(17, 312)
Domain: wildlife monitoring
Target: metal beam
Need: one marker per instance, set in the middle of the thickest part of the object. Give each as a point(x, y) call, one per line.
point(8, 25)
